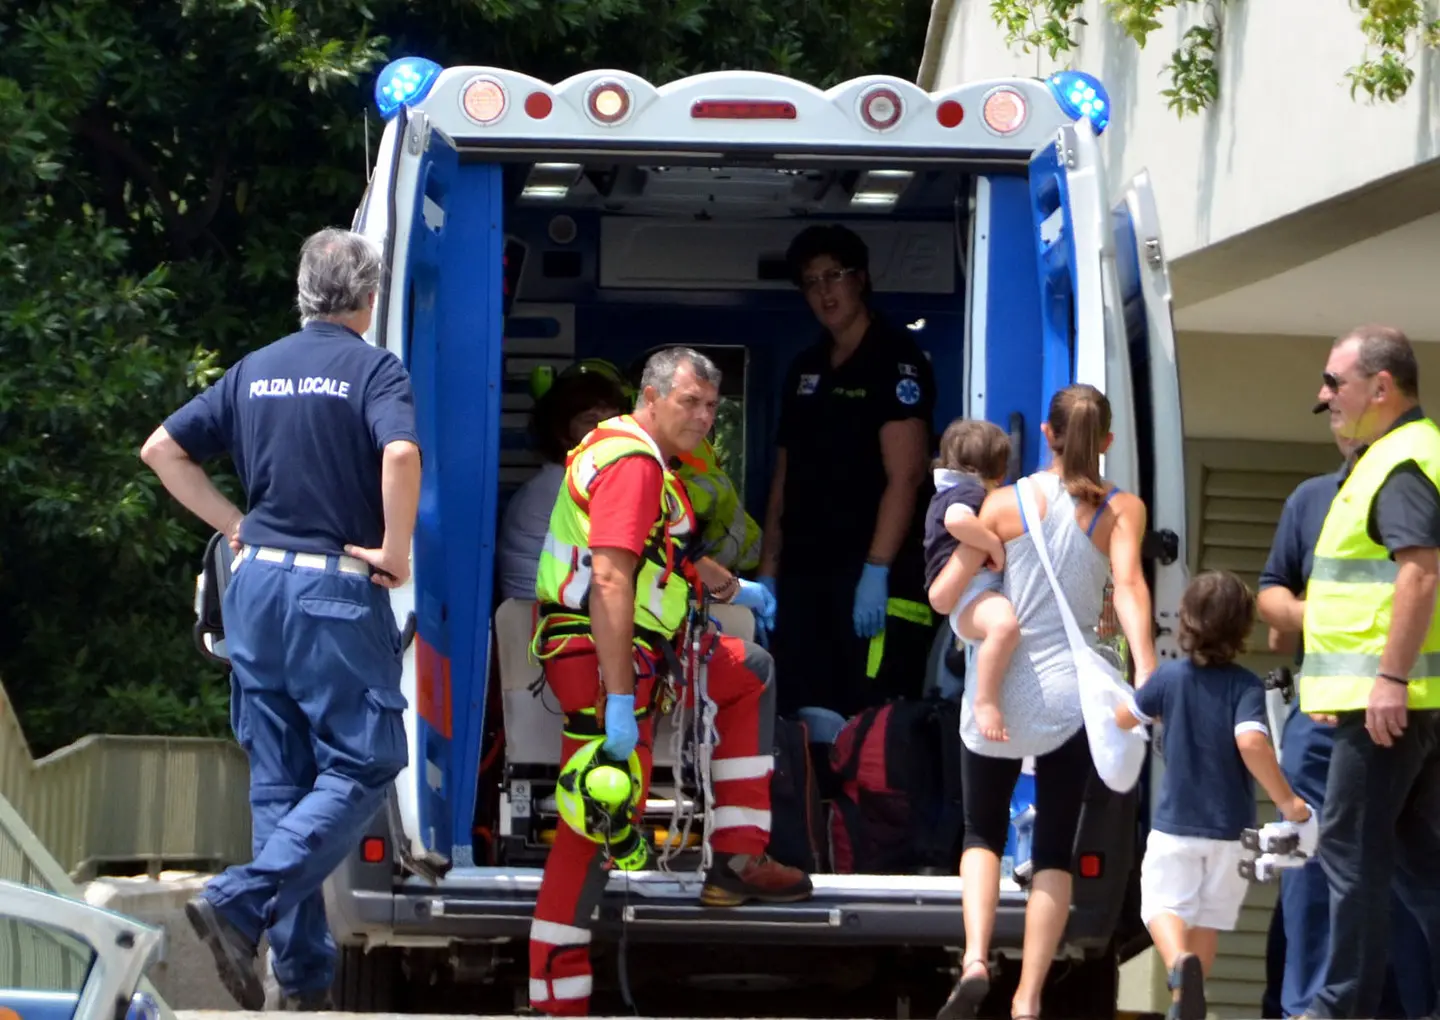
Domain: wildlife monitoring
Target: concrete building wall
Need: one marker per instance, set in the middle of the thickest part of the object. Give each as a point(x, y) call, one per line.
point(1285, 133)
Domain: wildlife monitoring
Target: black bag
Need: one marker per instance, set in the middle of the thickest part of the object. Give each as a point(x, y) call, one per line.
point(209, 595)
point(900, 806)
point(797, 821)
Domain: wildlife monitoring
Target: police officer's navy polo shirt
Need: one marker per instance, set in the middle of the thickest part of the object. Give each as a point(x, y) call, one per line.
point(1207, 790)
point(305, 420)
point(1292, 552)
point(830, 422)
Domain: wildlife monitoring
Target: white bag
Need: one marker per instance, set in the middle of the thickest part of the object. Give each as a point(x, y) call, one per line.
point(1119, 755)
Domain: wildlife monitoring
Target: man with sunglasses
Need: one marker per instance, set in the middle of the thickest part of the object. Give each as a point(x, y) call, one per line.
point(1300, 927)
point(1371, 636)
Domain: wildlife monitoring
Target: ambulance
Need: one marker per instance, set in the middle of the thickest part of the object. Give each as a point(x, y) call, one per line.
point(529, 225)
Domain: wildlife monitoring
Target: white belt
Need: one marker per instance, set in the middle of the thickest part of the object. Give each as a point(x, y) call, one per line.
point(304, 560)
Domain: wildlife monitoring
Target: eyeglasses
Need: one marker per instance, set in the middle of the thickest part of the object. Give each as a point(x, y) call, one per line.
point(826, 279)
point(1333, 382)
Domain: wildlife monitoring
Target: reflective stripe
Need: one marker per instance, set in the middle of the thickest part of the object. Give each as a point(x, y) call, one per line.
point(724, 770)
point(553, 933)
point(875, 655)
point(1328, 568)
point(566, 989)
point(1352, 693)
point(906, 609)
point(1319, 665)
point(573, 593)
point(741, 818)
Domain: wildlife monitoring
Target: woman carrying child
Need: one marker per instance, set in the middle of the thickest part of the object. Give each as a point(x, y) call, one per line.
point(1216, 743)
point(1092, 531)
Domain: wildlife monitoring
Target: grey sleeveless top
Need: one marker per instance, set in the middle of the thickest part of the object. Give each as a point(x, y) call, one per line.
point(1038, 694)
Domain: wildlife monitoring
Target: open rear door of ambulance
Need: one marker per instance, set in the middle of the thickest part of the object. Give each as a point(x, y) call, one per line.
point(1145, 299)
point(1075, 249)
point(441, 213)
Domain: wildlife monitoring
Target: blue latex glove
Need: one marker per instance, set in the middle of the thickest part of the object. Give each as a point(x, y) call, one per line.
point(769, 583)
point(621, 734)
point(871, 594)
point(760, 600)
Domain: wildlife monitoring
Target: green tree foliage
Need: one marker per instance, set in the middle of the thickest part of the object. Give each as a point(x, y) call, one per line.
point(163, 160)
point(1395, 32)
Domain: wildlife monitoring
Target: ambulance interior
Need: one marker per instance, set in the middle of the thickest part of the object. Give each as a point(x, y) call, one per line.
point(611, 259)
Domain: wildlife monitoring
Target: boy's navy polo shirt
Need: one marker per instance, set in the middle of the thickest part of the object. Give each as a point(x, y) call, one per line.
point(1207, 790)
point(305, 419)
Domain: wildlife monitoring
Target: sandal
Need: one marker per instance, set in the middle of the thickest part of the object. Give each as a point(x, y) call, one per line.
point(968, 993)
point(1188, 978)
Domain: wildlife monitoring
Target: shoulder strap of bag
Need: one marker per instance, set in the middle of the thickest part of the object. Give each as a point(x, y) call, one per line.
point(1030, 516)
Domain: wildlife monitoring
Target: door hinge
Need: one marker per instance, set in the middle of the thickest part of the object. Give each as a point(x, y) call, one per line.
point(1153, 255)
point(1065, 141)
point(1163, 546)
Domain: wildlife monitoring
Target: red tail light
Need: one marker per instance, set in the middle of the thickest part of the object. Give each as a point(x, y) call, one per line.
point(372, 850)
point(1091, 866)
point(741, 109)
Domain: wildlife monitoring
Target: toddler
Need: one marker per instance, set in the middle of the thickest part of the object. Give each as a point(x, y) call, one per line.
point(974, 459)
point(1216, 744)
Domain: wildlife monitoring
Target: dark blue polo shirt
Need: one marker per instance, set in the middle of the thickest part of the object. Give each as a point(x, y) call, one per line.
point(1207, 790)
point(966, 490)
point(1292, 551)
point(305, 420)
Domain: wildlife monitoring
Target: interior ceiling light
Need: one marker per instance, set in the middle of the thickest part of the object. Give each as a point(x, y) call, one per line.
point(551, 180)
point(880, 188)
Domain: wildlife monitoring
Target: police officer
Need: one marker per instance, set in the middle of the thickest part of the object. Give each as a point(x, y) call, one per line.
point(845, 519)
point(1300, 927)
point(1372, 662)
point(321, 428)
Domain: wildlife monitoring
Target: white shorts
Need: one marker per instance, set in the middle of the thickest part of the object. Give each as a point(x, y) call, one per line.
point(1196, 879)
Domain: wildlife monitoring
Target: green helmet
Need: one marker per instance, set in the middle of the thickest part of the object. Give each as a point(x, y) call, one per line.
point(543, 377)
point(596, 797)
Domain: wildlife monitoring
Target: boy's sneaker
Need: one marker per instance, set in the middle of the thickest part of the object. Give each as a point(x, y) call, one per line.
point(1187, 979)
point(737, 878)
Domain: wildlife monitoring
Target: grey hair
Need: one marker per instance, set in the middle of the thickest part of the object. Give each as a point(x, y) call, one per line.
point(661, 367)
point(339, 270)
point(1386, 349)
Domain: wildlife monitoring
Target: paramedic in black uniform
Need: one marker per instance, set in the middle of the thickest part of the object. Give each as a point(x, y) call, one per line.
point(321, 428)
point(845, 520)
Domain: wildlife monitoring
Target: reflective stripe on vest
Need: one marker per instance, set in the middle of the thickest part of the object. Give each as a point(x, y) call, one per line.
point(901, 609)
point(565, 573)
point(1351, 591)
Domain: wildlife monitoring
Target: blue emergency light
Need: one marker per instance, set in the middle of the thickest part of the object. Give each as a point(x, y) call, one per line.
point(1081, 95)
point(402, 82)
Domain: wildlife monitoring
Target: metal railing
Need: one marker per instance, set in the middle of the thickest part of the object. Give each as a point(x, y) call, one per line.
point(128, 804)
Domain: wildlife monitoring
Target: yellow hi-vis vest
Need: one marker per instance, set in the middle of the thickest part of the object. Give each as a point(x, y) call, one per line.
point(1351, 591)
point(728, 535)
point(662, 591)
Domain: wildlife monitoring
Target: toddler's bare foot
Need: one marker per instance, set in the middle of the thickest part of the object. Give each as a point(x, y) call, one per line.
point(991, 721)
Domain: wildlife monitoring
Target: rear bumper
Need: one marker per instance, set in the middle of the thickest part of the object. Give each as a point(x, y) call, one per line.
point(485, 905)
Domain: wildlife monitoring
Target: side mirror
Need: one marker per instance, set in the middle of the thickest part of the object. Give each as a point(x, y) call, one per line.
point(210, 585)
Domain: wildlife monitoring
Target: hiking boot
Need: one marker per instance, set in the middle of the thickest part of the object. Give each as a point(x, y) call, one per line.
point(234, 953)
point(737, 878)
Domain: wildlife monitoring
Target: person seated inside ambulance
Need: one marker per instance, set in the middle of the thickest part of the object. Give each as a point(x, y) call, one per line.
point(842, 542)
point(580, 398)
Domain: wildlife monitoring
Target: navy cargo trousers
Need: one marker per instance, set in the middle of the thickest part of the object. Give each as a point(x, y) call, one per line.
point(316, 704)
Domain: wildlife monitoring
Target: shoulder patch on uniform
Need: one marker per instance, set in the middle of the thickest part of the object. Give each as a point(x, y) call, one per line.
point(908, 370)
point(907, 391)
point(808, 384)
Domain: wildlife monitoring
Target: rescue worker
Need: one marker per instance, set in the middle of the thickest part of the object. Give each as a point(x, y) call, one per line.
point(321, 428)
point(1372, 662)
point(1301, 922)
point(615, 591)
point(842, 541)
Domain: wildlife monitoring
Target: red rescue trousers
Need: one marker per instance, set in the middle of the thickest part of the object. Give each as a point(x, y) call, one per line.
point(740, 682)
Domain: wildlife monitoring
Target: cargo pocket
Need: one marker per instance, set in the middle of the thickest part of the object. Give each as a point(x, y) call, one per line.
point(386, 708)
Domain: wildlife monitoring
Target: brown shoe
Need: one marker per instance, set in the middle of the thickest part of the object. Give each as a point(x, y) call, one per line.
point(737, 878)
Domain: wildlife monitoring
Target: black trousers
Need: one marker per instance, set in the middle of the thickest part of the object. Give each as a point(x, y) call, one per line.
point(821, 662)
point(1381, 824)
point(1060, 779)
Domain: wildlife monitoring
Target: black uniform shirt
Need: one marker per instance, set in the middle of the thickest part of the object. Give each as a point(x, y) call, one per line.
point(1406, 511)
point(305, 420)
point(830, 422)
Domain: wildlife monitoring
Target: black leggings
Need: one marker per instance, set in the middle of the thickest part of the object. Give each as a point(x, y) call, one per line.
point(1060, 780)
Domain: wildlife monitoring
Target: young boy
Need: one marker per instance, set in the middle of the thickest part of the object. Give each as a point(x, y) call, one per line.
point(1215, 743)
point(974, 458)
